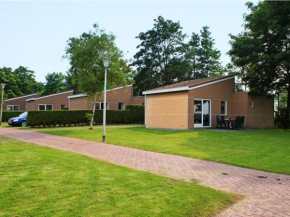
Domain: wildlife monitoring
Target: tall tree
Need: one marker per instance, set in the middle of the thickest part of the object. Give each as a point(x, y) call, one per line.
point(27, 83)
point(55, 82)
point(85, 55)
point(192, 55)
point(159, 49)
point(263, 48)
point(208, 56)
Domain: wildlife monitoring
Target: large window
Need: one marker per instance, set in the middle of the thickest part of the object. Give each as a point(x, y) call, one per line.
point(43, 107)
point(224, 107)
point(121, 106)
point(12, 107)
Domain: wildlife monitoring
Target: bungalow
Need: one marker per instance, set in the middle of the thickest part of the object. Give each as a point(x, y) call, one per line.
point(17, 103)
point(117, 99)
point(55, 101)
point(196, 103)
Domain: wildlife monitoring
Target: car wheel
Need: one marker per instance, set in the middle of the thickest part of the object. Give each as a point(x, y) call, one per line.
point(23, 124)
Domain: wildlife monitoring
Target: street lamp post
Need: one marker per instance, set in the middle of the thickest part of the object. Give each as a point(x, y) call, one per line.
point(106, 61)
point(2, 85)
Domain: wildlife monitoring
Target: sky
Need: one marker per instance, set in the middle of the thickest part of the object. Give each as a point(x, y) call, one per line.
point(34, 34)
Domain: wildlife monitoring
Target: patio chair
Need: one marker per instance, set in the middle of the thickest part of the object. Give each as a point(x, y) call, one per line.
point(223, 122)
point(237, 124)
point(242, 122)
point(218, 121)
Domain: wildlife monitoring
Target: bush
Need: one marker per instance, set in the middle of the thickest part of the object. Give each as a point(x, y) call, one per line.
point(134, 114)
point(10, 114)
point(280, 119)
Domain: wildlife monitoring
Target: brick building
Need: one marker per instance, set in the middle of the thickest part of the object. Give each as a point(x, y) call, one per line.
point(17, 103)
point(117, 99)
point(196, 103)
point(55, 101)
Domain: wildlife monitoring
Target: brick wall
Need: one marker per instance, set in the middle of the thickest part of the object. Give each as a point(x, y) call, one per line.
point(167, 110)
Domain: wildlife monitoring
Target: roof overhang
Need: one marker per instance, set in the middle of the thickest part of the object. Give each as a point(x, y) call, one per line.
point(185, 88)
point(15, 98)
point(176, 89)
point(55, 94)
point(77, 96)
point(84, 94)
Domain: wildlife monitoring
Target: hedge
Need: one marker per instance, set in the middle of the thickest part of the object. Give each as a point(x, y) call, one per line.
point(10, 114)
point(134, 114)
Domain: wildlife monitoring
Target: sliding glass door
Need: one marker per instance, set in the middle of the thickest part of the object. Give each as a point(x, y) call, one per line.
point(202, 113)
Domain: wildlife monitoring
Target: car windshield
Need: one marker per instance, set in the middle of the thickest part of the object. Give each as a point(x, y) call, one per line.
point(23, 115)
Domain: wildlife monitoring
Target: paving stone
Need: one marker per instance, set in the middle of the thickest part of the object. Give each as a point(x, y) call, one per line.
point(263, 196)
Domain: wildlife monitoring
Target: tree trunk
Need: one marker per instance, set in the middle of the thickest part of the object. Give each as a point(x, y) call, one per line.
point(93, 115)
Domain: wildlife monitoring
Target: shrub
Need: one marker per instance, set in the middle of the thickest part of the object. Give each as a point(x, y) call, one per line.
point(134, 114)
point(280, 119)
point(10, 114)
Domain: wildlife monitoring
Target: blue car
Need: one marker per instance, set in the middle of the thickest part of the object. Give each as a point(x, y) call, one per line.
point(18, 121)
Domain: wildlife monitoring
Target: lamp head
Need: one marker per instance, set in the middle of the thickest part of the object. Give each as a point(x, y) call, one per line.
point(3, 85)
point(106, 61)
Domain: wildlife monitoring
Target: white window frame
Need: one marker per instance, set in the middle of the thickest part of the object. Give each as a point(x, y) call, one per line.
point(123, 107)
point(13, 107)
point(107, 107)
point(226, 107)
point(201, 125)
point(45, 107)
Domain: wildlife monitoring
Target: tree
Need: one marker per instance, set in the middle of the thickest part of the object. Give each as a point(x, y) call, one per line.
point(208, 56)
point(55, 82)
point(26, 81)
point(159, 50)
point(87, 70)
point(263, 48)
point(192, 55)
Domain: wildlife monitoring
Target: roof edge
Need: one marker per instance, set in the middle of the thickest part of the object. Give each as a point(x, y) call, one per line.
point(19, 97)
point(187, 87)
point(54, 94)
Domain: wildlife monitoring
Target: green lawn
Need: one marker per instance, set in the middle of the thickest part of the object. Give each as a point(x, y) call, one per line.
point(40, 181)
point(267, 150)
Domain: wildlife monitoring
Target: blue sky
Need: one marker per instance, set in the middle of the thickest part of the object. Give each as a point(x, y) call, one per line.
point(34, 34)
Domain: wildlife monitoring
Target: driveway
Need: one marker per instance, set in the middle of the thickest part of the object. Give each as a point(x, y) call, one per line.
point(266, 194)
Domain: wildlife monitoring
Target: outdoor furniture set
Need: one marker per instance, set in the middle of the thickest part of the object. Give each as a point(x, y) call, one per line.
point(234, 124)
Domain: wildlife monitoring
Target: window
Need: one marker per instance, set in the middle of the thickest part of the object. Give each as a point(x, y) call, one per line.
point(252, 104)
point(97, 105)
point(121, 106)
point(224, 107)
point(102, 105)
point(62, 107)
point(12, 107)
point(42, 107)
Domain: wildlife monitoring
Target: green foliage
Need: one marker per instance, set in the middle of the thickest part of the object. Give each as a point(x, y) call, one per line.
point(262, 49)
point(20, 81)
point(55, 82)
point(87, 70)
point(134, 114)
point(159, 46)
point(164, 58)
point(10, 114)
point(282, 120)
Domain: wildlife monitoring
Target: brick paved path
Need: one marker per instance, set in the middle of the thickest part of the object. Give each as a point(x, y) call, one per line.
point(266, 194)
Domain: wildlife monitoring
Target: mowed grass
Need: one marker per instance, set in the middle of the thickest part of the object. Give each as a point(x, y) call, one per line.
point(267, 150)
point(40, 181)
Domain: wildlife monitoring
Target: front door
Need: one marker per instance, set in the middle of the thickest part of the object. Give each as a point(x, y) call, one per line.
point(202, 113)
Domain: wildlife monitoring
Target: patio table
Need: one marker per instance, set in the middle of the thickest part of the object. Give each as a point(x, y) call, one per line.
point(230, 123)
